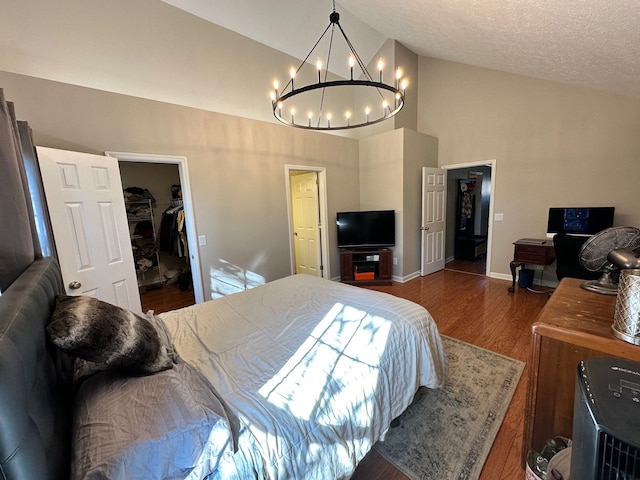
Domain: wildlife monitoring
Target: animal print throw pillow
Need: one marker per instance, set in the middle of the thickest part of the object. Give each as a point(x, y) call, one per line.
point(114, 337)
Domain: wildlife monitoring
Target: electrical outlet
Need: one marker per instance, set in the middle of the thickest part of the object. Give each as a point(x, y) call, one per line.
point(202, 240)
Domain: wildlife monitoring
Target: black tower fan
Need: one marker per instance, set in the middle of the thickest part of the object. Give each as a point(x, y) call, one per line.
point(606, 420)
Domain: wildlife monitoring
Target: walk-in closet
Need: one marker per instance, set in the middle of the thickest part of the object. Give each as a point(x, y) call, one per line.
point(153, 199)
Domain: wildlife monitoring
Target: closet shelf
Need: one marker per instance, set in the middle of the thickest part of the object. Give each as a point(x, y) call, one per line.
point(142, 231)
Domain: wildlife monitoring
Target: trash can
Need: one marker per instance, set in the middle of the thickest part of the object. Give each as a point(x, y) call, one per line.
point(525, 279)
point(553, 458)
point(536, 466)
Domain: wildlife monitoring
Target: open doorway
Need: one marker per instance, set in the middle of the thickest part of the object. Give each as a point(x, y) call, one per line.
point(307, 209)
point(469, 208)
point(159, 208)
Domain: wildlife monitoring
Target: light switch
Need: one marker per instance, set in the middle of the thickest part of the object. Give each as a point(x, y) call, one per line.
point(498, 217)
point(202, 240)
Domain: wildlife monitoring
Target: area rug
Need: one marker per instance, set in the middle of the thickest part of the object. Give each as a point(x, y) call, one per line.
point(446, 434)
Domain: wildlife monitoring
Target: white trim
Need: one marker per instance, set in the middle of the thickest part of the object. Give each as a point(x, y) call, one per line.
point(181, 162)
point(486, 163)
point(407, 278)
point(322, 192)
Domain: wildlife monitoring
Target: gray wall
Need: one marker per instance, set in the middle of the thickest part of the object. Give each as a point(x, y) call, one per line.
point(554, 145)
point(236, 166)
point(391, 178)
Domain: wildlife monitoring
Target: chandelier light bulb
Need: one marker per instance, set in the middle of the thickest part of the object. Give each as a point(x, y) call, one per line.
point(348, 115)
point(380, 67)
point(385, 106)
point(310, 115)
point(404, 84)
point(328, 120)
point(398, 76)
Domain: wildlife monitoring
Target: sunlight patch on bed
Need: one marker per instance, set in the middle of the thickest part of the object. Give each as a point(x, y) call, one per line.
point(333, 375)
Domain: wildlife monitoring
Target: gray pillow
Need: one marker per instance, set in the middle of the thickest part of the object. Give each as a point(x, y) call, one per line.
point(167, 426)
point(111, 336)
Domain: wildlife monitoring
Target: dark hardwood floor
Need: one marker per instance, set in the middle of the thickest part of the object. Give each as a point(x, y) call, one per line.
point(478, 310)
point(169, 297)
point(477, 266)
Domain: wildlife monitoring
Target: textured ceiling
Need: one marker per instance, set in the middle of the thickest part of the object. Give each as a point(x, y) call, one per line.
point(592, 43)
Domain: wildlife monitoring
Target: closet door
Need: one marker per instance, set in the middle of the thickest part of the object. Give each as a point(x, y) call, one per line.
point(89, 221)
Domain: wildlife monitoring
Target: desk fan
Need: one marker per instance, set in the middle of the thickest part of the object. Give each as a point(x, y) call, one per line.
point(607, 251)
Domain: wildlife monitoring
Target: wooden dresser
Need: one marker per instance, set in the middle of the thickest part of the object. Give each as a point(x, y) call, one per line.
point(575, 324)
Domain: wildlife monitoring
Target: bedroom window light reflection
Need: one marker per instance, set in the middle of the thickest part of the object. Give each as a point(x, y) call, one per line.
point(226, 278)
point(346, 340)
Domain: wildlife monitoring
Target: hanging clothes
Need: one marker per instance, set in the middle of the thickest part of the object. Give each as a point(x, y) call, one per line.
point(467, 202)
point(172, 236)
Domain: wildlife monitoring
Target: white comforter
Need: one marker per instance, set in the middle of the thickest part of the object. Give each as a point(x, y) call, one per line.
point(312, 370)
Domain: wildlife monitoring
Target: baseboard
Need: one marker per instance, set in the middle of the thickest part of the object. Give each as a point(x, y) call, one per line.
point(406, 278)
point(499, 276)
point(536, 281)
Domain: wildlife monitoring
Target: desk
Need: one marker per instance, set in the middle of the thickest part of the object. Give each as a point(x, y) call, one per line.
point(531, 251)
point(574, 325)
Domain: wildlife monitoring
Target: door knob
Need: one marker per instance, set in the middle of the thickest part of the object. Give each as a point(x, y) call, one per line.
point(74, 285)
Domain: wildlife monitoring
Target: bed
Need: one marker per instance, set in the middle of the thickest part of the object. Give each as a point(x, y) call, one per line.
point(297, 378)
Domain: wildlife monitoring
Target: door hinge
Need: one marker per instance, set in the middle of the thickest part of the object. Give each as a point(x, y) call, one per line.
point(317, 181)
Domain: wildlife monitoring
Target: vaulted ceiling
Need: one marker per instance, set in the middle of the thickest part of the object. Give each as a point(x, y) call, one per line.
point(591, 43)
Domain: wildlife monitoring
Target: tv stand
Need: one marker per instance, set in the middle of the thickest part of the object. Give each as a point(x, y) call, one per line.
point(370, 266)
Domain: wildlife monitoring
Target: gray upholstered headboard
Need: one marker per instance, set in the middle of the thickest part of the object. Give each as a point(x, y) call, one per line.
point(35, 396)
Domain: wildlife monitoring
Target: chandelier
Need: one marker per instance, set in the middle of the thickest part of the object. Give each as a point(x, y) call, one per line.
point(314, 99)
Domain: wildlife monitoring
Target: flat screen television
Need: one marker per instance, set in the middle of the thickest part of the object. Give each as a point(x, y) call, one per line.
point(579, 220)
point(373, 228)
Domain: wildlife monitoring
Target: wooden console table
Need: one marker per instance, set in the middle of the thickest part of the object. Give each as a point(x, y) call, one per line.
point(532, 251)
point(574, 325)
point(377, 261)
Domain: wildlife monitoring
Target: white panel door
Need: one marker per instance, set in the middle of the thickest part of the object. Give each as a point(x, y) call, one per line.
point(89, 221)
point(305, 211)
point(434, 196)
